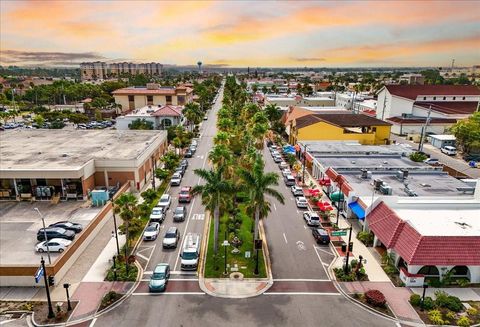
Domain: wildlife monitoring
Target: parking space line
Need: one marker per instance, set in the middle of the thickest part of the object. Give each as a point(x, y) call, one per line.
point(285, 237)
point(274, 207)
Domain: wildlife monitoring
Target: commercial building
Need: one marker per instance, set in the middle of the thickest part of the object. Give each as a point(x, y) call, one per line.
point(313, 101)
point(67, 164)
point(160, 116)
point(341, 127)
point(412, 79)
point(439, 141)
point(91, 71)
point(407, 106)
point(152, 94)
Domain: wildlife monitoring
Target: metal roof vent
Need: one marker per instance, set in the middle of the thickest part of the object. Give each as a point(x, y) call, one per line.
point(64, 155)
point(353, 161)
point(425, 185)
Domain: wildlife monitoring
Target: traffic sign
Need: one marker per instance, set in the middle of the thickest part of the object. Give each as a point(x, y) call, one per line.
point(339, 233)
point(38, 274)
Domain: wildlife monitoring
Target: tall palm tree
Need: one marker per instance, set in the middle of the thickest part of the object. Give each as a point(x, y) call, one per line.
point(126, 205)
point(215, 195)
point(256, 184)
point(220, 155)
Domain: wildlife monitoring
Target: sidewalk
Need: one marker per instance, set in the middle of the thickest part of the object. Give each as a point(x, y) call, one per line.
point(464, 294)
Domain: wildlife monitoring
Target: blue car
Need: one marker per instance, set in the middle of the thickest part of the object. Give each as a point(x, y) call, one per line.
point(158, 281)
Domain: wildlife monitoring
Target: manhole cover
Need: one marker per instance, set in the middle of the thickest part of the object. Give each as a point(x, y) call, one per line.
point(236, 276)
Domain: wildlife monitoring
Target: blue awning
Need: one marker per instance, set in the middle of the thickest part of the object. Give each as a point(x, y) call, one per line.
point(357, 210)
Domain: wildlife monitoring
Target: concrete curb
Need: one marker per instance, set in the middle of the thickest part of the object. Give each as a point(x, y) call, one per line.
point(203, 251)
point(266, 256)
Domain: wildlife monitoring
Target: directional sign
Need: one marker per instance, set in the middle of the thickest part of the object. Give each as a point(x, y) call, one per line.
point(339, 233)
point(38, 274)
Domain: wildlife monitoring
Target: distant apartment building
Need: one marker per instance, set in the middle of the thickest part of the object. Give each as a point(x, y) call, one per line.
point(407, 106)
point(100, 70)
point(412, 79)
point(131, 98)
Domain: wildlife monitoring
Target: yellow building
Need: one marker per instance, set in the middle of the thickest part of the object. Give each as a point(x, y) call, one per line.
point(339, 127)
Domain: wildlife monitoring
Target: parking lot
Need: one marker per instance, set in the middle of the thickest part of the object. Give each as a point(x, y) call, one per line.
point(19, 224)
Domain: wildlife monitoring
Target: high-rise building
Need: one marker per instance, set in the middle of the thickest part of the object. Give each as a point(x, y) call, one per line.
point(101, 70)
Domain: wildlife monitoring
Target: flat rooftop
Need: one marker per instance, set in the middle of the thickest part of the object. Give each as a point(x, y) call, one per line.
point(343, 163)
point(352, 147)
point(443, 222)
point(71, 149)
point(434, 183)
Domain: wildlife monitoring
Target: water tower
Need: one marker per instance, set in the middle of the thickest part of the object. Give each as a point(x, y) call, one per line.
point(199, 67)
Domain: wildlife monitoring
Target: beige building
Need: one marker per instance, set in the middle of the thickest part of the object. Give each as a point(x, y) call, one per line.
point(42, 164)
point(100, 70)
point(131, 98)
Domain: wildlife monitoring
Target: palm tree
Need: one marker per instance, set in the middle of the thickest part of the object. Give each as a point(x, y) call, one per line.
point(220, 155)
point(193, 113)
point(215, 194)
point(256, 184)
point(126, 205)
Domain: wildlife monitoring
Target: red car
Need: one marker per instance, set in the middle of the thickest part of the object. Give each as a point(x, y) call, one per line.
point(185, 194)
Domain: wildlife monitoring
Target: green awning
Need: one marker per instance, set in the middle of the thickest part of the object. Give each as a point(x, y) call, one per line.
point(337, 196)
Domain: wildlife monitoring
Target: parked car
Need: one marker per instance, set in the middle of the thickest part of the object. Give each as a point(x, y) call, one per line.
point(277, 159)
point(205, 117)
point(311, 218)
point(289, 180)
point(180, 213)
point(151, 232)
point(301, 202)
point(181, 170)
point(74, 227)
point(449, 150)
point(286, 172)
point(432, 161)
point(185, 195)
point(176, 179)
point(193, 148)
point(165, 201)
point(321, 236)
point(54, 245)
point(159, 280)
point(184, 163)
point(171, 238)
point(157, 215)
point(297, 191)
point(55, 232)
point(188, 154)
point(283, 165)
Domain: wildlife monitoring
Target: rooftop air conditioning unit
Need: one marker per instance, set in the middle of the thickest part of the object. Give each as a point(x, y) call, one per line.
point(386, 189)
point(364, 173)
point(377, 184)
point(405, 173)
point(400, 175)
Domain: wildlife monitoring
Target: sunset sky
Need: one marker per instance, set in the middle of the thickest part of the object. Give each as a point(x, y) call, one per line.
point(242, 33)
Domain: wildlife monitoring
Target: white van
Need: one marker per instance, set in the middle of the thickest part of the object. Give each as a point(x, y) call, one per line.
point(449, 150)
point(190, 252)
point(289, 180)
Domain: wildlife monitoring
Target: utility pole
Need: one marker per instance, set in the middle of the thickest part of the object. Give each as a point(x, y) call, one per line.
point(49, 301)
point(348, 250)
point(424, 129)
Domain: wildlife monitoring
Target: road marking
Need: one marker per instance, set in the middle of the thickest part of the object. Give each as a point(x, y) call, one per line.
point(324, 251)
point(198, 216)
point(291, 199)
point(298, 293)
point(168, 293)
point(301, 246)
point(274, 207)
point(93, 322)
point(301, 280)
point(321, 261)
point(142, 256)
point(285, 237)
point(181, 272)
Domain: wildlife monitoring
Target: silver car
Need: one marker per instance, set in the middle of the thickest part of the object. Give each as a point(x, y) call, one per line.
point(176, 179)
point(151, 232)
point(172, 236)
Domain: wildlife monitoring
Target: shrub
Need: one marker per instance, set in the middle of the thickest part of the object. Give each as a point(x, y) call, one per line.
point(464, 321)
point(415, 300)
point(435, 317)
point(428, 303)
point(390, 270)
point(443, 300)
point(365, 237)
point(418, 157)
point(109, 298)
point(463, 282)
point(450, 315)
point(375, 298)
point(472, 311)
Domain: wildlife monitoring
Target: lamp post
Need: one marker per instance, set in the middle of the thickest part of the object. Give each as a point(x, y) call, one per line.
point(115, 232)
point(114, 269)
point(69, 305)
point(47, 289)
point(425, 286)
point(225, 245)
point(345, 269)
point(44, 234)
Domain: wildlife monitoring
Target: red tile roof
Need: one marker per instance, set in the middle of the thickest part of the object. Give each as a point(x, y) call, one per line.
point(339, 179)
point(417, 249)
point(412, 91)
point(168, 111)
point(450, 107)
point(420, 120)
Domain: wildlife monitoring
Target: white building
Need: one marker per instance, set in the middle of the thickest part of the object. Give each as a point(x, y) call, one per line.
point(160, 116)
point(407, 106)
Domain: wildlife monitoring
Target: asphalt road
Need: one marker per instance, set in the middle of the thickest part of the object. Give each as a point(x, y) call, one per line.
point(150, 253)
point(293, 250)
point(263, 310)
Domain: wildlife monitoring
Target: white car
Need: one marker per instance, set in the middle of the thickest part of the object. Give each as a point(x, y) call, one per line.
point(54, 245)
point(311, 218)
point(165, 202)
point(286, 172)
point(151, 232)
point(297, 191)
point(275, 153)
point(449, 150)
point(176, 179)
point(157, 214)
point(301, 202)
point(277, 159)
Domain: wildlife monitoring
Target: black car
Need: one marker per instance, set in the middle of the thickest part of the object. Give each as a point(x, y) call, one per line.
point(180, 169)
point(321, 236)
point(184, 163)
point(188, 154)
point(55, 232)
point(77, 228)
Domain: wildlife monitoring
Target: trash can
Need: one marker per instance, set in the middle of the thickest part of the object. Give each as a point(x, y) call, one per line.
point(344, 247)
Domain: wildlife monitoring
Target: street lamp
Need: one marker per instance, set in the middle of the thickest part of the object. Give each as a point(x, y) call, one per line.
point(425, 286)
point(69, 305)
point(304, 159)
point(225, 244)
point(345, 269)
point(115, 233)
point(114, 269)
point(44, 234)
